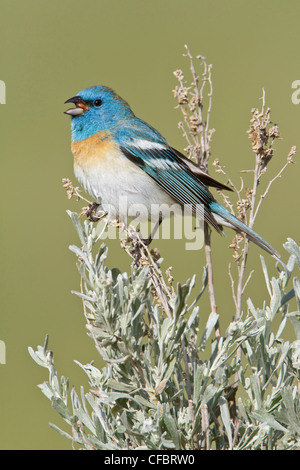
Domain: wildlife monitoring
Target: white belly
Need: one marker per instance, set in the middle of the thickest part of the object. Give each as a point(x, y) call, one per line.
point(125, 191)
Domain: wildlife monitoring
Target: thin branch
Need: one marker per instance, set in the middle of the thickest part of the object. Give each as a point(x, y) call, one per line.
point(289, 160)
point(247, 281)
point(232, 285)
point(189, 389)
point(204, 439)
point(211, 287)
point(191, 102)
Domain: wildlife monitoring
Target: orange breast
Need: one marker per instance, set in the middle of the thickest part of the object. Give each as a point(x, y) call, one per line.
point(97, 149)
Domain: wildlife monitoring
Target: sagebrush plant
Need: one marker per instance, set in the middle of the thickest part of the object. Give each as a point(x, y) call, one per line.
point(171, 380)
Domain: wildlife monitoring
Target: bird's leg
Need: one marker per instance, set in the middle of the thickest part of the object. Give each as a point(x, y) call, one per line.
point(136, 252)
point(148, 240)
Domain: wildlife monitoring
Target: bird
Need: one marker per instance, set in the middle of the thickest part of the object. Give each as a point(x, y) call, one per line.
point(121, 160)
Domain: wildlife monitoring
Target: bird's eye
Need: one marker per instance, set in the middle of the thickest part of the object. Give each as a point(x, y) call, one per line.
point(97, 103)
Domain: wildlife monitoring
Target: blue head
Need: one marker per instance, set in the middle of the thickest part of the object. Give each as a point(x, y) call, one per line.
point(98, 108)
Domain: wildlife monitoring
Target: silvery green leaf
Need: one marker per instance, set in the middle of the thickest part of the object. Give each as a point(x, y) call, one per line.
point(266, 274)
point(145, 403)
point(121, 387)
point(85, 419)
point(290, 412)
point(209, 392)
point(287, 297)
point(281, 327)
point(172, 429)
point(242, 409)
point(167, 443)
point(59, 406)
point(165, 329)
point(252, 308)
point(266, 418)
point(47, 390)
point(37, 358)
point(75, 219)
point(292, 247)
point(256, 387)
point(169, 369)
point(291, 263)
point(192, 317)
point(180, 299)
point(294, 317)
point(297, 290)
point(81, 255)
point(211, 322)
point(60, 431)
point(225, 416)
point(276, 297)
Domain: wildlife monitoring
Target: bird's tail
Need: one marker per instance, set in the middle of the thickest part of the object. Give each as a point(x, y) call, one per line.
point(223, 217)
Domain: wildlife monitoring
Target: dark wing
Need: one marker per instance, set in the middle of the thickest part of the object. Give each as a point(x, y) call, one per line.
point(173, 175)
point(201, 175)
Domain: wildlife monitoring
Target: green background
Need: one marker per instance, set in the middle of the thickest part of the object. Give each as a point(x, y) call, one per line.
point(50, 51)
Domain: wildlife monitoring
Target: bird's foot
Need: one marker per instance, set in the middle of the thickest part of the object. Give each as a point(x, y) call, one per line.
point(93, 214)
point(146, 241)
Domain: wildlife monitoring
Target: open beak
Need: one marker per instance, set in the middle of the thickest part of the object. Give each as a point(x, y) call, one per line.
point(80, 106)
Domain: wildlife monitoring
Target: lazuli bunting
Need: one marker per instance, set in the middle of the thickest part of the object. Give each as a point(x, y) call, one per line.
point(122, 161)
